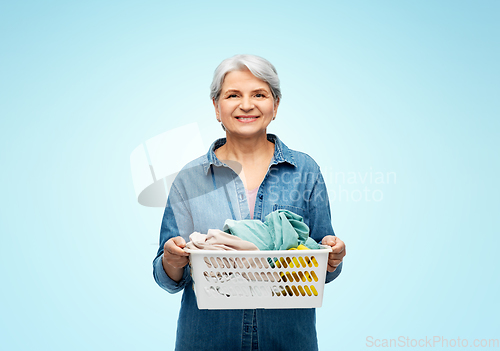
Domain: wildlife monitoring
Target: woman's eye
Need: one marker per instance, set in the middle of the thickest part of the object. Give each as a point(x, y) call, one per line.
point(232, 96)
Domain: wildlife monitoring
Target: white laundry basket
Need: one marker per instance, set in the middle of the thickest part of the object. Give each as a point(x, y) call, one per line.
point(259, 279)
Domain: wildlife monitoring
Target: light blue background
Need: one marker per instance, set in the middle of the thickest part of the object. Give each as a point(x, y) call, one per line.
point(409, 87)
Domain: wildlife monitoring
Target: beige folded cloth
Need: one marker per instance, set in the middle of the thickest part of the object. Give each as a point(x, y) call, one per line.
point(218, 240)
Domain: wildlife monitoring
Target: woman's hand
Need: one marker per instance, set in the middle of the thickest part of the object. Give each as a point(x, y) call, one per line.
point(175, 258)
point(338, 251)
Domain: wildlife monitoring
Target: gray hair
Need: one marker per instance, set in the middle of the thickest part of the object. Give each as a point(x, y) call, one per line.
point(260, 68)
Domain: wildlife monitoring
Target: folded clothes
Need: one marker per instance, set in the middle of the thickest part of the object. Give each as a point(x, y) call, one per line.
point(218, 240)
point(282, 230)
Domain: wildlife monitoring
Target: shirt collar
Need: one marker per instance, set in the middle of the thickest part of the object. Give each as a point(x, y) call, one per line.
point(281, 153)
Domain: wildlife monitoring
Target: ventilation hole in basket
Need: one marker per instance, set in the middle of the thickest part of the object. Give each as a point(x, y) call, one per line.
point(218, 292)
point(301, 289)
point(308, 261)
point(289, 262)
point(257, 276)
point(257, 262)
point(296, 277)
point(219, 261)
point(288, 290)
point(270, 276)
point(245, 262)
point(277, 263)
point(250, 274)
point(252, 263)
point(276, 276)
point(313, 289)
point(315, 263)
point(244, 275)
point(263, 275)
point(308, 276)
point(258, 291)
point(226, 262)
point(238, 261)
point(205, 274)
point(301, 275)
point(232, 263)
point(283, 262)
point(276, 290)
point(264, 262)
point(295, 262)
point(302, 262)
point(214, 264)
point(283, 277)
point(223, 291)
point(270, 262)
point(283, 291)
point(219, 277)
point(208, 290)
point(295, 291)
point(315, 277)
point(289, 277)
point(225, 277)
point(212, 277)
point(207, 262)
point(306, 288)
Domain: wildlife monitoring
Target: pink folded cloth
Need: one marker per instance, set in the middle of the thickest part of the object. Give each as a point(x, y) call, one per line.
point(218, 240)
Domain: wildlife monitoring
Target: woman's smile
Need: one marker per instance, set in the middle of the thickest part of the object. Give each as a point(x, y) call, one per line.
point(247, 119)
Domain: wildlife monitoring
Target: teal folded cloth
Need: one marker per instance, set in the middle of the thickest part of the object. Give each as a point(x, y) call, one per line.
point(282, 230)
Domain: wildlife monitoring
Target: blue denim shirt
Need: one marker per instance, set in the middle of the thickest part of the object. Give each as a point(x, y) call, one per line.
point(207, 192)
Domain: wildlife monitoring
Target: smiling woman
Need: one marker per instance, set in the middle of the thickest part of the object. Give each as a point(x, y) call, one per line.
point(243, 176)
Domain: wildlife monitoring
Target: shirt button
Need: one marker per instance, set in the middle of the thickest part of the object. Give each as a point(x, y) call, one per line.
point(241, 196)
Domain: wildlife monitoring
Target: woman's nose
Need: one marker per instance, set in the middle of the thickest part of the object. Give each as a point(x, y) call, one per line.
point(246, 103)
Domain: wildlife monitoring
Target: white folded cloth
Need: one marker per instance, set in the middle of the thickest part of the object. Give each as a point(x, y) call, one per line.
point(216, 239)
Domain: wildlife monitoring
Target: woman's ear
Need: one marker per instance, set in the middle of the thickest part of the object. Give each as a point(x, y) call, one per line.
point(216, 110)
point(276, 104)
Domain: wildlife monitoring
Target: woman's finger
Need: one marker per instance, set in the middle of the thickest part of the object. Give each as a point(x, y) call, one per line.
point(339, 247)
point(174, 246)
point(179, 241)
point(336, 256)
point(329, 240)
point(177, 261)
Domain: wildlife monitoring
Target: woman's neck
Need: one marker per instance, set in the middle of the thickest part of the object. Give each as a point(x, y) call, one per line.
point(247, 150)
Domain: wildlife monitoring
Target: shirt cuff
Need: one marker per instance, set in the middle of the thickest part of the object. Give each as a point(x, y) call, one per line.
point(165, 282)
point(332, 275)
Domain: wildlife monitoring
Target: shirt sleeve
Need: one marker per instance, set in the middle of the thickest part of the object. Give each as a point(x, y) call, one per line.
point(177, 221)
point(320, 219)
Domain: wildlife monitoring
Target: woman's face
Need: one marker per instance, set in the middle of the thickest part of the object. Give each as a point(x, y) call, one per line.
point(246, 105)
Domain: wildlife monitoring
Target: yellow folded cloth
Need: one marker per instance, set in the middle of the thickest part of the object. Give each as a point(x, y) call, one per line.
point(300, 247)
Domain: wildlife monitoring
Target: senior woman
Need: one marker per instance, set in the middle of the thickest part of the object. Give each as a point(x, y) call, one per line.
point(246, 175)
